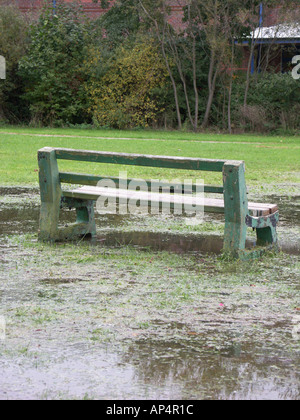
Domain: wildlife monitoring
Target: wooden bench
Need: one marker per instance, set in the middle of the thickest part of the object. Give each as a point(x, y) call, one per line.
point(239, 214)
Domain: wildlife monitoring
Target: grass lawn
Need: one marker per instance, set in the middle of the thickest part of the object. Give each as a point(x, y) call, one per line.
point(270, 161)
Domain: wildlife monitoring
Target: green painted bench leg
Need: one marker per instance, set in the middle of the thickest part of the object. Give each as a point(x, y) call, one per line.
point(265, 228)
point(85, 224)
point(49, 215)
point(235, 208)
point(50, 192)
point(266, 236)
point(86, 215)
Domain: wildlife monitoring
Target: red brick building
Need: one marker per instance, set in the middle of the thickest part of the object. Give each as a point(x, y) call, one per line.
point(92, 9)
point(95, 10)
point(271, 16)
point(284, 46)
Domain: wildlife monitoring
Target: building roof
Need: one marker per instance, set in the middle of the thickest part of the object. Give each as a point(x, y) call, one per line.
point(290, 31)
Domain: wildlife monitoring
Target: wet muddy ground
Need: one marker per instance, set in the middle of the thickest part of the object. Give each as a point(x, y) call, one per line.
point(148, 310)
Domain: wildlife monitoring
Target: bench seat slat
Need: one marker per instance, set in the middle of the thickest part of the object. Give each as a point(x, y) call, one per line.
point(210, 204)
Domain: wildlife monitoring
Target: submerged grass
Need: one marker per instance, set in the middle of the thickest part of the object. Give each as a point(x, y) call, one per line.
point(71, 308)
point(89, 283)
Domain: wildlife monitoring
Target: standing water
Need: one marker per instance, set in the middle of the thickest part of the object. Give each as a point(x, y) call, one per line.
point(149, 310)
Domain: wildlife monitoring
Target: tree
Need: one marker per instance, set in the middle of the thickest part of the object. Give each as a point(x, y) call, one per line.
point(52, 67)
point(210, 26)
point(255, 20)
point(121, 22)
point(125, 94)
point(13, 45)
point(155, 15)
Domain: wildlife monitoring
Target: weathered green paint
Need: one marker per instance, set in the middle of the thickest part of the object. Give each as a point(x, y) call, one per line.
point(174, 162)
point(72, 232)
point(236, 206)
point(265, 228)
point(85, 218)
point(50, 192)
point(262, 222)
point(251, 254)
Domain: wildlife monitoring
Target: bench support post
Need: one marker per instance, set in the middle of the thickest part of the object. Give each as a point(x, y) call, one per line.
point(265, 228)
point(235, 207)
point(50, 192)
point(266, 236)
point(85, 219)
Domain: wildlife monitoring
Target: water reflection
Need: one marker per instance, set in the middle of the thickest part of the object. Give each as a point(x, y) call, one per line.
point(19, 214)
point(157, 241)
point(238, 372)
point(149, 370)
point(194, 368)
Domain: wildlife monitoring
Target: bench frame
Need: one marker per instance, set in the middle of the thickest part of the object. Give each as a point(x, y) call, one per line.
point(236, 212)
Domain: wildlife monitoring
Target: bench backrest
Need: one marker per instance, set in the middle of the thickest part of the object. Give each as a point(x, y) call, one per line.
point(174, 162)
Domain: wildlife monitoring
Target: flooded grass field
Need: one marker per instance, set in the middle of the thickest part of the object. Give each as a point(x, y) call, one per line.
point(148, 310)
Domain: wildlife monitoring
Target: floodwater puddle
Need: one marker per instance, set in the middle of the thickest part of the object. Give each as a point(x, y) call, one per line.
point(19, 214)
point(289, 208)
point(103, 322)
point(157, 241)
point(151, 370)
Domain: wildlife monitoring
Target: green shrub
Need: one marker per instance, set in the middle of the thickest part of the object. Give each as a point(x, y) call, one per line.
point(127, 94)
point(52, 68)
point(13, 44)
point(273, 102)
